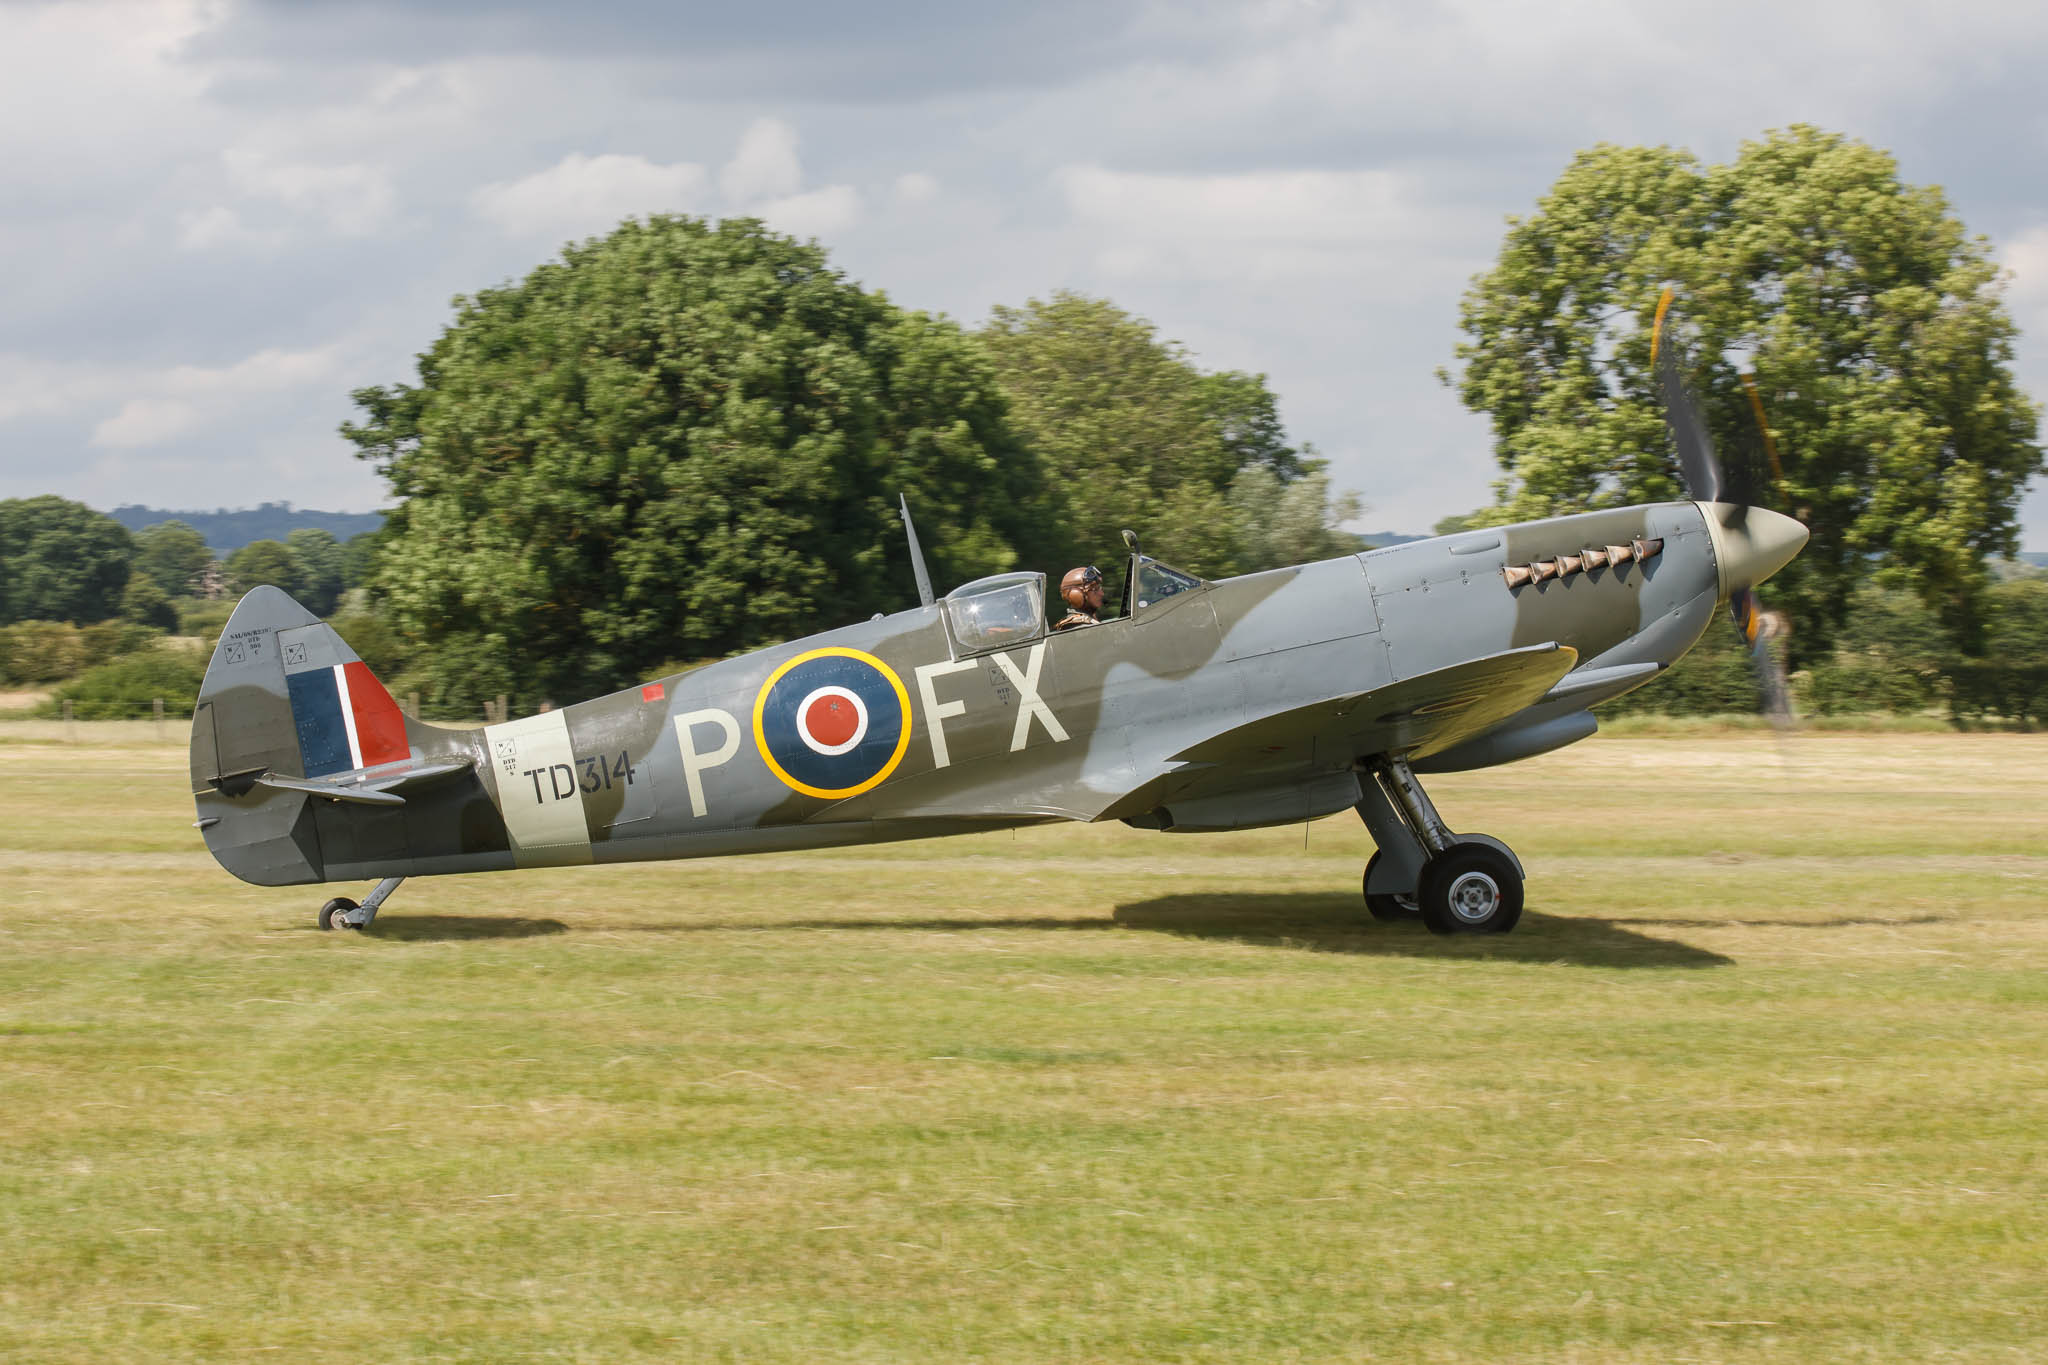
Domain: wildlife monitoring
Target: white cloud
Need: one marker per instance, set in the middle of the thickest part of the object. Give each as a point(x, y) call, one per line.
point(85, 70)
point(218, 226)
point(352, 200)
point(1301, 187)
point(167, 404)
point(1263, 224)
point(2026, 256)
point(764, 165)
point(915, 187)
point(146, 422)
point(816, 213)
point(30, 387)
point(765, 179)
point(1306, 207)
point(580, 195)
point(155, 407)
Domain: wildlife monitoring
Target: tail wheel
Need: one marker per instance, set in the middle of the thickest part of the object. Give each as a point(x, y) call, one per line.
point(1470, 889)
point(1388, 908)
point(332, 914)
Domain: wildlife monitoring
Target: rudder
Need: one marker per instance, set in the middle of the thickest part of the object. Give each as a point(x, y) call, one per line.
point(284, 696)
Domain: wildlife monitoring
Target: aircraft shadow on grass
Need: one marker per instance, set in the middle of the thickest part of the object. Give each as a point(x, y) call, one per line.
point(1332, 923)
point(1308, 921)
point(440, 928)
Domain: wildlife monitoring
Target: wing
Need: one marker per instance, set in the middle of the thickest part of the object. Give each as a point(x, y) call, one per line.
point(1415, 717)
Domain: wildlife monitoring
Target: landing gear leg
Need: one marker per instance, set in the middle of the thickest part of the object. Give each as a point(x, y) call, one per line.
point(343, 913)
point(1458, 883)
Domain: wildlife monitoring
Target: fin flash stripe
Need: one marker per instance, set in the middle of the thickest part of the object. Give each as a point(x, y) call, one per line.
point(345, 719)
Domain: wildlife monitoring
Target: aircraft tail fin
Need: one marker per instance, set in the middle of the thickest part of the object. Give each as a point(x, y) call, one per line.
point(286, 698)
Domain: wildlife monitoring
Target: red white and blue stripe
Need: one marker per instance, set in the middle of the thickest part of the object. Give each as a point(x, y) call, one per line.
point(345, 719)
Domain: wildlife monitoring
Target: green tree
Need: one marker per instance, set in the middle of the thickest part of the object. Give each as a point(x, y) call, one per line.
point(61, 561)
point(173, 554)
point(1279, 523)
point(124, 687)
point(679, 440)
point(265, 561)
point(323, 568)
point(144, 603)
point(1134, 435)
point(2011, 681)
point(1874, 324)
point(2019, 621)
point(359, 558)
point(42, 651)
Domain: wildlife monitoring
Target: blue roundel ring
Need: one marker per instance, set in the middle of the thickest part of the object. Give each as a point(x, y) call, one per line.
point(832, 723)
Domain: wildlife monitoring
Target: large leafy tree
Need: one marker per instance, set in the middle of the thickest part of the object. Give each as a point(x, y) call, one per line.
point(61, 561)
point(1135, 435)
point(677, 441)
point(173, 554)
point(323, 567)
point(359, 558)
point(1873, 323)
point(266, 561)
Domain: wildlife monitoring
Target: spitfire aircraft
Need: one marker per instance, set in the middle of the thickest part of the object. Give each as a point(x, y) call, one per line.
point(1267, 699)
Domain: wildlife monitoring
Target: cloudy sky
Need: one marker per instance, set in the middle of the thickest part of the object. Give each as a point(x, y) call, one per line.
point(217, 217)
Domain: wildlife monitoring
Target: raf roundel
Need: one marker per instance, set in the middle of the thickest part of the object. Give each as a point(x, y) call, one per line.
point(832, 723)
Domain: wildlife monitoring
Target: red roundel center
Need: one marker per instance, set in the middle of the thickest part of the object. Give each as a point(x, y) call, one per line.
point(831, 719)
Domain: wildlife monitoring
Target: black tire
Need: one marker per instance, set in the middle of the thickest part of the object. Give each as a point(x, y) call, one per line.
point(1470, 889)
point(1390, 909)
point(332, 912)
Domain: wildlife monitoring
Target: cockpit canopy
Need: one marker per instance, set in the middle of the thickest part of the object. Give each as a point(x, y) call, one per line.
point(1009, 608)
point(1003, 609)
point(1157, 582)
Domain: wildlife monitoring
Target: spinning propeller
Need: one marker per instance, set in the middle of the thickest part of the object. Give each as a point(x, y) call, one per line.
point(1761, 541)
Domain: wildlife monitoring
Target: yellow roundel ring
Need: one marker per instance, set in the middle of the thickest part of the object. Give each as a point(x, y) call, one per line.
point(822, 720)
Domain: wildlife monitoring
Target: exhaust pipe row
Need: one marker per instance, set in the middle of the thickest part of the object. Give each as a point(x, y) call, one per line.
point(1599, 557)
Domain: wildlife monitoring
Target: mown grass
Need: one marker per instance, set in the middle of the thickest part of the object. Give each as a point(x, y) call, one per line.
point(1761, 1077)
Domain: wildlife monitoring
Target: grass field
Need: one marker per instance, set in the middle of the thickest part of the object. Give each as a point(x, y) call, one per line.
point(1763, 1076)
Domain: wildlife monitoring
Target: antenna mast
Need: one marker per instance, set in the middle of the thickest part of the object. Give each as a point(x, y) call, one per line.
point(924, 578)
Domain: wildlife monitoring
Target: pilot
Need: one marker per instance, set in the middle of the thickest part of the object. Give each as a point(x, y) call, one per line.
point(1081, 590)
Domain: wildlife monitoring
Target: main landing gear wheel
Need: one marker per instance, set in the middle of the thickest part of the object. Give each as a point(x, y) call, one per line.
point(1470, 889)
point(333, 915)
point(1389, 908)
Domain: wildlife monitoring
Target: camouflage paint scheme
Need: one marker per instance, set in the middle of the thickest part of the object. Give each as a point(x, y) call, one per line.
point(1248, 701)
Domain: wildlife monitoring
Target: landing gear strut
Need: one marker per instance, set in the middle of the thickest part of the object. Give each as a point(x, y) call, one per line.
point(1457, 883)
point(343, 913)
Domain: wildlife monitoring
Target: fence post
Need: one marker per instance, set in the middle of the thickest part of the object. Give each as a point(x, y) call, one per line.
point(412, 705)
point(502, 712)
point(70, 730)
point(157, 705)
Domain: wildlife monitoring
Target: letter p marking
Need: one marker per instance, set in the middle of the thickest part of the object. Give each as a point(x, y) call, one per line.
point(696, 760)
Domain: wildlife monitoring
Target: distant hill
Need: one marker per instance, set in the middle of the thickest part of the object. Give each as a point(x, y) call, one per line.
point(226, 531)
point(1381, 540)
point(2037, 558)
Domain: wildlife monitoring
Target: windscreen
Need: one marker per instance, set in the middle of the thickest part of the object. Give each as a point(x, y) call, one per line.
point(1157, 582)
